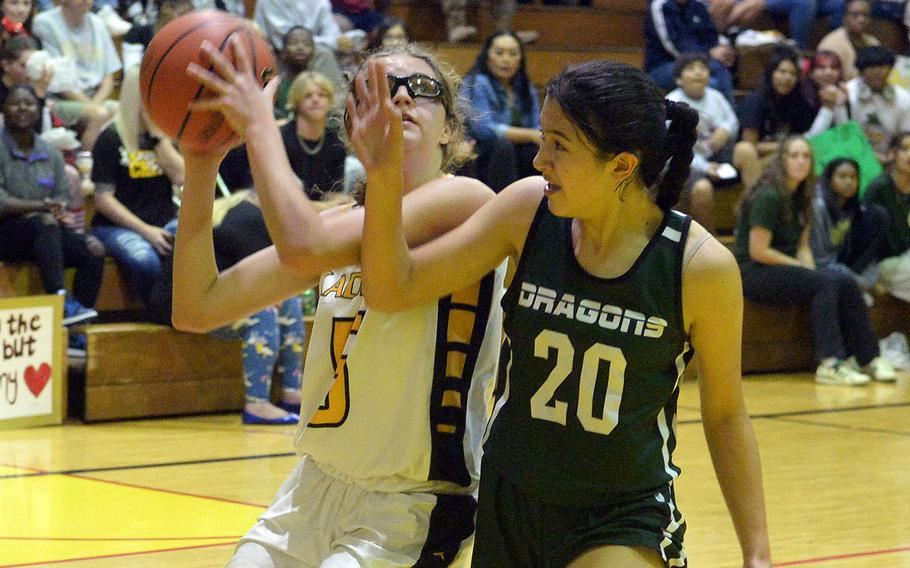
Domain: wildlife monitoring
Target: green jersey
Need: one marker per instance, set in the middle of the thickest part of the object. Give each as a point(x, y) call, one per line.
point(589, 371)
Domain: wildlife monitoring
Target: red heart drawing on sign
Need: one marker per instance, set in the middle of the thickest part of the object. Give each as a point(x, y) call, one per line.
point(36, 379)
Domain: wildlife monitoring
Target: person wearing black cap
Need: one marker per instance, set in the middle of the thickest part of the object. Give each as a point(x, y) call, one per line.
point(882, 109)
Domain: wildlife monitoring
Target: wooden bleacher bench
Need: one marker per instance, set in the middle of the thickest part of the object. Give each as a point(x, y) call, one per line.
point(136, 370)
point(779, 338)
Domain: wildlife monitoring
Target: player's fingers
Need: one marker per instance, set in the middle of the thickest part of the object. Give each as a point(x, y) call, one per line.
point(272, 87)
point(208, 79)
point(242, 56)
point(375, 70)
point(362, 93)
point(219, 62)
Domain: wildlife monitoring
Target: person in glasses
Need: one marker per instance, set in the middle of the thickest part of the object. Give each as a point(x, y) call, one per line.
point(393, 404)
point(613, 293)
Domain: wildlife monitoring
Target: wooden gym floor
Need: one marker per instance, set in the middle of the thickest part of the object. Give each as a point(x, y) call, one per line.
point(178, 492)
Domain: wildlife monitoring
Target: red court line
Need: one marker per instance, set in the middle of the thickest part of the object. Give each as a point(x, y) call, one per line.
point(881, 552)
point(120, 555)
point(171, 491)
point(174, 492)
point(122, 539)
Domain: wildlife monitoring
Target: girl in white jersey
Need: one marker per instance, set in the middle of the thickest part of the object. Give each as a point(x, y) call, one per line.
point(612, 292)
point(393, 404)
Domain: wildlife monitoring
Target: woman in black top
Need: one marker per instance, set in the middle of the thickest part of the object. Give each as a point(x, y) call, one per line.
point(772, 249)
point(773, 111)
point(312, 144)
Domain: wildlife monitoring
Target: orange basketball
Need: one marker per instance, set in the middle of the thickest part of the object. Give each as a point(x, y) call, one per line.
point(167, 90)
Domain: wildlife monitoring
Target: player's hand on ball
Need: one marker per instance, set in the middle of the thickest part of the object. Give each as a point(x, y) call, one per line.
point(237, 93)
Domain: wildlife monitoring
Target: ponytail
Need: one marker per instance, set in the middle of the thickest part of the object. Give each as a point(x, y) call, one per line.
point(681, 137)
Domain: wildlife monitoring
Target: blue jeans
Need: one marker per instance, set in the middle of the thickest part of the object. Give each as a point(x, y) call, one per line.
point(721, 78)
point(272, 342)
point(801, 14)
point(135, 256)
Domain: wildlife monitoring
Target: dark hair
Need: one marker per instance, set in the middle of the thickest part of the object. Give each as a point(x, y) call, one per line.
point(874, 56)
point(775, 177)
point(14, 47)
point(374, 39)
point(618, 108)
point(521, 82)
point(688, 58)
point(828, 193)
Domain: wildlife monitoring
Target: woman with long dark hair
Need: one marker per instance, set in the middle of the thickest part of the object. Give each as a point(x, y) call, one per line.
point(505, 118)
point(773, 111)
point(772, 248)
point(612, 292)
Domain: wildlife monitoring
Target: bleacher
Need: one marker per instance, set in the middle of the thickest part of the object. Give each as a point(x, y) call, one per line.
point(139, 369)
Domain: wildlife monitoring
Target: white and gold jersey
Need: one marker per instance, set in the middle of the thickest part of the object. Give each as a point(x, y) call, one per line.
point(400, 401)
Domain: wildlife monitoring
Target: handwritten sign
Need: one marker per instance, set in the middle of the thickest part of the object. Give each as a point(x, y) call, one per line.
point(31, 360)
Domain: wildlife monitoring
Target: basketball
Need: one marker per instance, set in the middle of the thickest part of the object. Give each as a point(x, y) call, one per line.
point(167, 90)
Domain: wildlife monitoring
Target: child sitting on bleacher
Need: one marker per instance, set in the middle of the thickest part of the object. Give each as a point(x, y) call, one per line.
point(35, 225)
point(880, 108)
point(846, 234)
point(891, 190)
point(717, 128)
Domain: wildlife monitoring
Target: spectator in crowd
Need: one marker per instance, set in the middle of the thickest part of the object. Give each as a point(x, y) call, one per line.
point(276, 17)
point(390, 31)
point(717, 129)
point(506, 113)
point(774, 256)
point(800, 14)
point(35, 225)
point(846, 234)
point(14, 55)
point(135, 167)
point(314, 149)
point(825, 92)
point(503, 11)
point(891, 190)
point(16, 18)
point(272, 338)
point(845, 40)
point(167, 10)
point(72, 30)
point(359, 14)
point(772, 112)
point(295, 57)
point(674, 27)
point(880, 108)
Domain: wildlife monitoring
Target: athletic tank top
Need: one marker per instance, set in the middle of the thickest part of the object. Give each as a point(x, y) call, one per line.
point(590, 370)
point(400, 401)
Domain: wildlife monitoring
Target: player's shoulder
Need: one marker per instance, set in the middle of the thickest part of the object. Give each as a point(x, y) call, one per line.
point(705, 258)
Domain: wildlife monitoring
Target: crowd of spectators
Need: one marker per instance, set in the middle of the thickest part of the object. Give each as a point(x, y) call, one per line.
point(62, 59)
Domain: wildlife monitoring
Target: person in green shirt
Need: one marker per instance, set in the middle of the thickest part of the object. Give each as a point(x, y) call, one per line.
point(891, 190)
point(772, 249)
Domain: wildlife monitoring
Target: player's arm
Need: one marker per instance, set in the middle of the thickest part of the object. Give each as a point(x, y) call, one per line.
point(713, 308)
point(396, 277)
point(203, 299)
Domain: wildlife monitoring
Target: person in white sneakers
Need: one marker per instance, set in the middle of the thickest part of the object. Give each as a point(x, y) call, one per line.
point(774, 256)
point(502, 11)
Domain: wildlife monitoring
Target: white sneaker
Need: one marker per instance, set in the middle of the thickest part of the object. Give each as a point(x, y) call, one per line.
point(840, 374)
point(527, 36)
point(882, 370)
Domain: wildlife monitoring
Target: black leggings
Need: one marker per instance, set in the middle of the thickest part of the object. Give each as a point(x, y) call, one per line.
point(501, 162)
point(40, 239)
point(840, 319)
